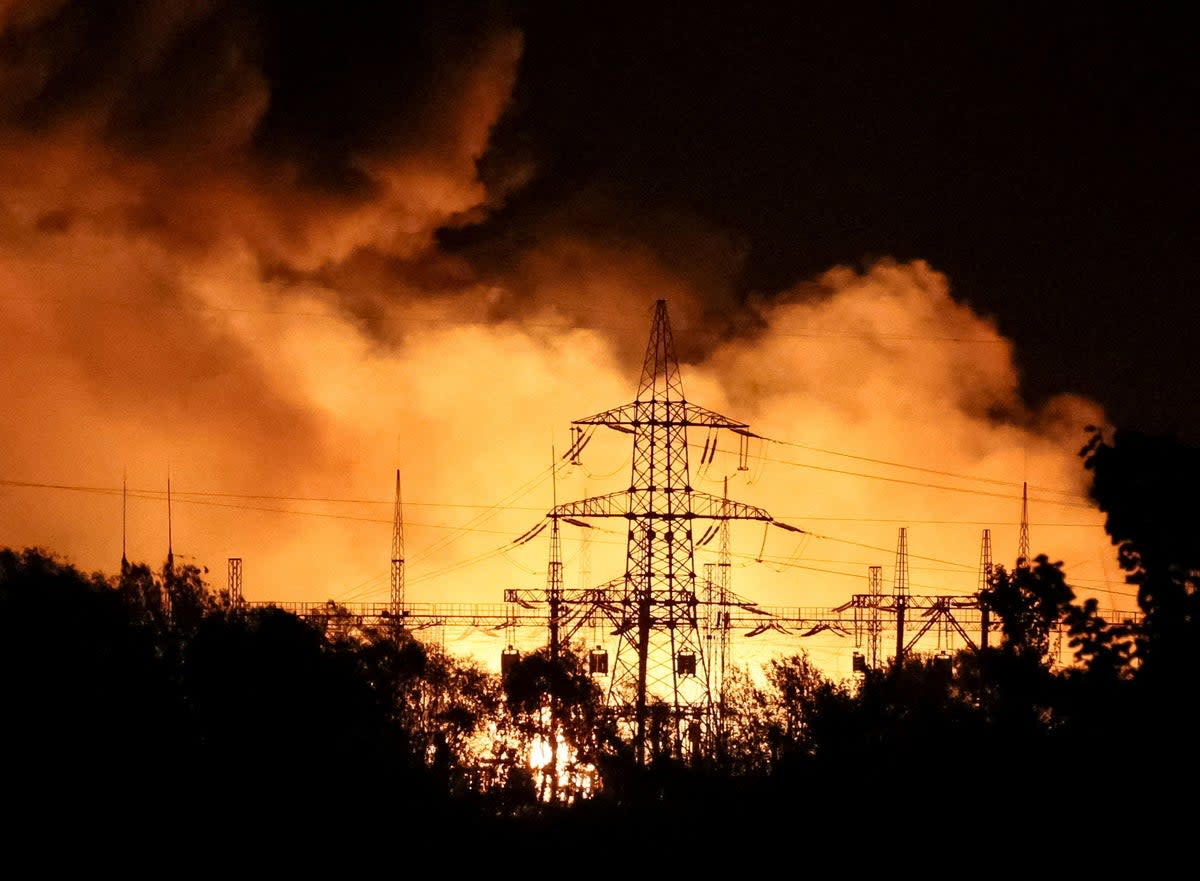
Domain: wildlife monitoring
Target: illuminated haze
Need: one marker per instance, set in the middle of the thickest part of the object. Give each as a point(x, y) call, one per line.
point(198, 280)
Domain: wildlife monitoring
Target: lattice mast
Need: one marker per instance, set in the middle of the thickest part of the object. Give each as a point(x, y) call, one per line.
point(396, 606)
point(235, 583)
point(1023, 536)
point(874, 618)
point(985, 583)
point(660, 652)
point(124, 521)
point(168, 582)
point(170, 567)
point(900, 590)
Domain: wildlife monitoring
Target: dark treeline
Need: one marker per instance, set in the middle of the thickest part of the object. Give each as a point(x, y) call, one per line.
point(142, 709)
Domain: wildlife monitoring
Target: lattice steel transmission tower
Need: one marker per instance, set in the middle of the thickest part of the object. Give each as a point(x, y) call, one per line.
point(660, 662)
point(396, 604)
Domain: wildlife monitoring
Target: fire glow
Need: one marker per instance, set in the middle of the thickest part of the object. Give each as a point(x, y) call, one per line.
point(192, 305)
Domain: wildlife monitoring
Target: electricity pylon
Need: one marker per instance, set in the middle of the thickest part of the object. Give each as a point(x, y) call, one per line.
point(660, 660)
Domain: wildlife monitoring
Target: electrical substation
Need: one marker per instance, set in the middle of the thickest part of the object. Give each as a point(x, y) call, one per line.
point(661, 635)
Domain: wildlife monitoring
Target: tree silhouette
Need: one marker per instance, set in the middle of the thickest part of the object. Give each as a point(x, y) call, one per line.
point(1148, 486)
point(89, 710)
point(798, 687)
point(1030, 602)
point(556, 710)
point(746, 746)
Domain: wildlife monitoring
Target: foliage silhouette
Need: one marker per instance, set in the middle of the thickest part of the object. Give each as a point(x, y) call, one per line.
point(88, 707)
point(556, 710)
point(1146, 697)
point(150, 685)
point(1148, 486)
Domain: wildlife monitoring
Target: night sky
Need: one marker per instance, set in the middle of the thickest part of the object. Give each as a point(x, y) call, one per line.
point(1043, 159)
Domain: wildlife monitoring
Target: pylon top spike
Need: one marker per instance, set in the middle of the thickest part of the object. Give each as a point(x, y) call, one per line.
point(985, 560)
point(900, 587)
point(1023, 539)
point(397, 568)
point(397, 523)
point(660, 370)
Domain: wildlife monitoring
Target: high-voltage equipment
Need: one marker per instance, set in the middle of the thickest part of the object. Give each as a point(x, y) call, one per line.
point(660, 659)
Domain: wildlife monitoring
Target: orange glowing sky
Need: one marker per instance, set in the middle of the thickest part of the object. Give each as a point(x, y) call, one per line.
point(180, 299)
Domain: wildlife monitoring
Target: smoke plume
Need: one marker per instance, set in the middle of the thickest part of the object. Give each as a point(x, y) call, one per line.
point(220, 266)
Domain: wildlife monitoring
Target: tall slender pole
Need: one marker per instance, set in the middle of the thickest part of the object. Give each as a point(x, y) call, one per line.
point(985, 582)
point(397, 569)
point(1023, 538)
point(124, 519)
point(900, 591)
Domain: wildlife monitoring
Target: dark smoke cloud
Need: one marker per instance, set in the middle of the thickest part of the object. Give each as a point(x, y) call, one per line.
point(264, 121)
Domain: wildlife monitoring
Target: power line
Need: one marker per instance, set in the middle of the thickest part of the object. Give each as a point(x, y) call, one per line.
point(939, 471)
point(958, 489)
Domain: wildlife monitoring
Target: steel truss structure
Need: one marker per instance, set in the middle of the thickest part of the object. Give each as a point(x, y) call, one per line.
point(660, 657)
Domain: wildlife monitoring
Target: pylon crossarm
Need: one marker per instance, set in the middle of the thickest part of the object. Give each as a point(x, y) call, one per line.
point(611, 505)
point(717, 508)
point(527, 596)
point(934, 603)
point(733, 601)
point(681, 413)
point(703, 506)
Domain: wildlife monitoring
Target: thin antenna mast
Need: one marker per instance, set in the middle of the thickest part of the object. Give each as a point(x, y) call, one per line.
point(985, 560)
point(900, 591)
point(1023, 540)
point(397, 570)
point(124, 518)
point(985, 582)
point(170, 539)
point(169, 573)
